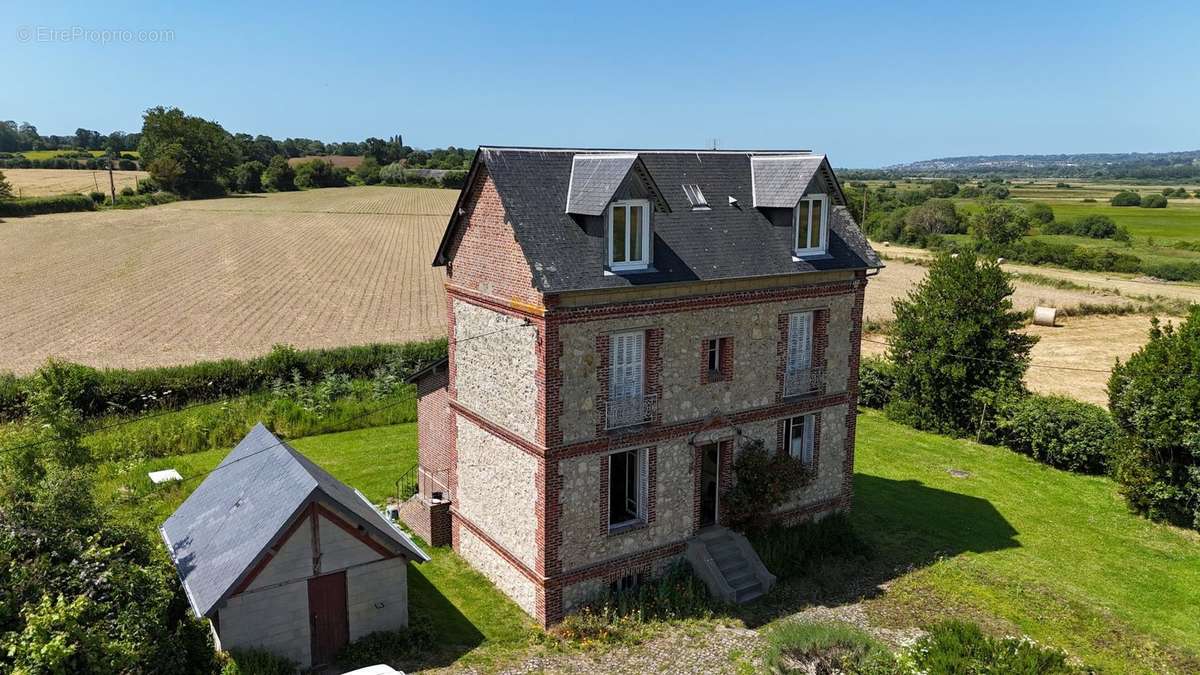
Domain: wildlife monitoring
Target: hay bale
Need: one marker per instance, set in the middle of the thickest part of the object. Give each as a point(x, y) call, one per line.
point(1044, 316)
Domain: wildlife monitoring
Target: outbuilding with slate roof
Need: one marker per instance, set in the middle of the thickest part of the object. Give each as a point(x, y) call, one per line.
point(281, 556)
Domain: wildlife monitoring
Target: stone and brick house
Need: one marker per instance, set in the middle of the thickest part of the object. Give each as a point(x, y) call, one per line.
point(620, 324)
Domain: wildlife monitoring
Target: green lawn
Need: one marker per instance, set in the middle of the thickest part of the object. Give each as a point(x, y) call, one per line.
point(1015, 545)
point(1180, 221)
point(476, 623)
point(1055, 554)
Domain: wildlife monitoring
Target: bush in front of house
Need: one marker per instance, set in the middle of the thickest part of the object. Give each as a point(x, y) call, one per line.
point(765, 481)
point(1155, 398)
point(955, 337)
point(626, 616)
point(33, 206)
point(799, 551)
point(388, 646)
point(1056, 430)
point(959, 647)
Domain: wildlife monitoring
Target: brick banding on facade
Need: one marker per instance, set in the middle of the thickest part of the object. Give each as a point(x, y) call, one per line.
point(532, 411)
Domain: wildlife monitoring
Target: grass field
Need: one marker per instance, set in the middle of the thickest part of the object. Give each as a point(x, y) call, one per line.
point(994, 547)
point(40, 182)
point(222, 278)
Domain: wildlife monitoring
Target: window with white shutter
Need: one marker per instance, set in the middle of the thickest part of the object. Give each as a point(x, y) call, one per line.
point(627, 366)
point(800, 345)
point(799, 436)
point(627, 487)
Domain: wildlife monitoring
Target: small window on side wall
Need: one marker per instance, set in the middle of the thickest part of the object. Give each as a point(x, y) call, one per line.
point(811, 225)
point(798, 437)
point(629, 234)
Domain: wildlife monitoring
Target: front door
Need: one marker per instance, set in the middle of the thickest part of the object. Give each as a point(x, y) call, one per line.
point(710, 460)
point(328, 621)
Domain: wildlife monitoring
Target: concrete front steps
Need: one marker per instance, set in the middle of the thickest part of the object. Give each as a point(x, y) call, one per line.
point(728, 565)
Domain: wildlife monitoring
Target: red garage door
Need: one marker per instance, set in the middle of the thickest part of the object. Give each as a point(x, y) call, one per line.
point(327, 616)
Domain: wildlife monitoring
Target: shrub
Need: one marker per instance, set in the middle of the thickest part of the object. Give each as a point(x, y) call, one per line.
point(876, 380)
point(127, 192)
point(996, 192)
point(1093, 225)
point(958, 647)
point(1168, 192)
point(807, 647)
point(621, 616)
point(1088, 200)
point(456, 180)
point(97, 197)
point(279, 176)
point(1155, 399)
point(135, 391)
point(388, 646)
point(1125, 198)
point(969, 192)
point(1154, 202)
point(139, 201)
point(127, 165)
point(247, 176)
point(1173, 271)
point(1056, 430)
point(319, 173)
point(1063, 186)
point(1196, 194)
point(368, 171)
point(801, 550)
point(943, 188)
point(147, 185)
point(257, 662)
point(32, 206)
point(1040, 213)
point(765, 480)
point(999, 224)
point(955, 336)
point(392, 173)
point(5, 187)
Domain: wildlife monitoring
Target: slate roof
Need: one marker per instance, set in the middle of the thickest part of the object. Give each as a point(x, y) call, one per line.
point(780, 181)
point(594, 179)
point(240, 510)
point(729, 241)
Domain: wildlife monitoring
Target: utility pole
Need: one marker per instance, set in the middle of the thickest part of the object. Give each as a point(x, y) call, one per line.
point(112, 184)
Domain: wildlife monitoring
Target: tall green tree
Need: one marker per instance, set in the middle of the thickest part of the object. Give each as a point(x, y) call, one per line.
point(205, 152)
point(955, 343)
point(1155, 398)
point(999, 224)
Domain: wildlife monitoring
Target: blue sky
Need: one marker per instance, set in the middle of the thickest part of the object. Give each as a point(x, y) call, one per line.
point(869, 83)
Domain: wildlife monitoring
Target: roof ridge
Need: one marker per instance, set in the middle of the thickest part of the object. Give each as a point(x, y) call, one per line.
point(707, 151)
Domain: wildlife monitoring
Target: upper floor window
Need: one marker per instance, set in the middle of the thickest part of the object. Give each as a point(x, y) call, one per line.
point(811, 216)
point(629, 234)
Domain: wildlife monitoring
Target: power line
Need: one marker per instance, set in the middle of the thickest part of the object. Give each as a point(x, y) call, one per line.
point(227, 399)
point(1031, 365)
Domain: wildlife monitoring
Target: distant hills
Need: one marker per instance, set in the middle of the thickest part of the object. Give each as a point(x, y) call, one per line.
point(1181, 165)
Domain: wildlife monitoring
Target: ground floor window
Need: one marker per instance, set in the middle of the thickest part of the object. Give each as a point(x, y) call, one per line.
point(626, 488)
point(798, 434)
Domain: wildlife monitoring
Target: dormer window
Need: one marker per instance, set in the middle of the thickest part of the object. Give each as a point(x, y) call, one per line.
point(629, 234)
point(812, 225)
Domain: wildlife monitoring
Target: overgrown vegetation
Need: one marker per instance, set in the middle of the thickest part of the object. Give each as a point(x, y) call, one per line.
point(765, 480)
point(1155, 398)
point(388, 646)
point(627, 616)
point(127, 392)
point(32, 206)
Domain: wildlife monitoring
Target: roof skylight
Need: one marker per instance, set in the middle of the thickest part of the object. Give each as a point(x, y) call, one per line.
point(695, 196)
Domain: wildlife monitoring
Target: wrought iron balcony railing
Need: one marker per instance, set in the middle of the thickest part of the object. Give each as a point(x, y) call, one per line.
point(630, 411)
point(803, 382)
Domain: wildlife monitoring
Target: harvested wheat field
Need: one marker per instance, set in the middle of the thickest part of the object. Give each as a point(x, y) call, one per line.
point(41, 182)
point(222, 278)
point(1073, 358)
point(899, 277)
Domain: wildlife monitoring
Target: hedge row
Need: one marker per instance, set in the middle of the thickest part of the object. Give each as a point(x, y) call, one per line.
point(32, 206)
point(122, 391)
point(1054, 430)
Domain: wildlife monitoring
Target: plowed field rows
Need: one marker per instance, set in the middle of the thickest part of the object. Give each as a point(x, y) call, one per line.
point(222, 278)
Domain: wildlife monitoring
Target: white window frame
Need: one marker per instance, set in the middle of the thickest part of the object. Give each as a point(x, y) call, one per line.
point(803, 450)
point(805, 206)
point(644, 262)
point(641, 474)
